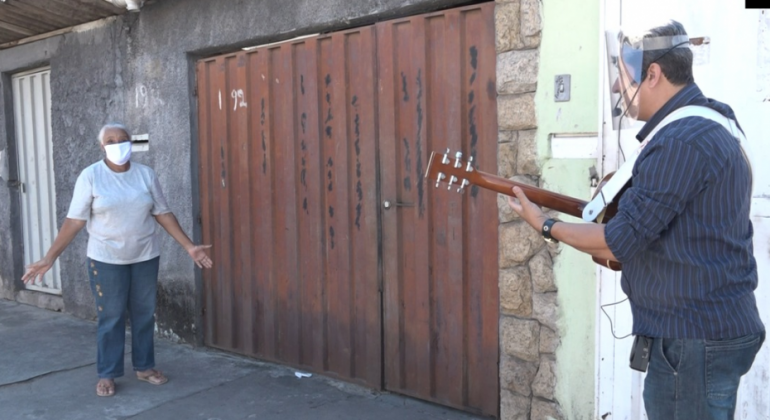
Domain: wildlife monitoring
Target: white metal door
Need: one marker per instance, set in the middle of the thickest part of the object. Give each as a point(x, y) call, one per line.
point(32, 112)
point(734, 68)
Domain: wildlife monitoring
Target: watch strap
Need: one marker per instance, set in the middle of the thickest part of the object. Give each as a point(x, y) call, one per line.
point(546, 230)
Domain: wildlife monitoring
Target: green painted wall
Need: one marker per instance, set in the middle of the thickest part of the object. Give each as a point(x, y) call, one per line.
point(570, 45)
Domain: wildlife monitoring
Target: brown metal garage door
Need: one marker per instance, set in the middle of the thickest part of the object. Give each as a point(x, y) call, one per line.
point(437, 84)
point(299, 145)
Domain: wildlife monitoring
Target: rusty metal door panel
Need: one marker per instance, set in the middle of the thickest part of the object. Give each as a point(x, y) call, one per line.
point(440, 268)
point(288, 169)
point(263, 335)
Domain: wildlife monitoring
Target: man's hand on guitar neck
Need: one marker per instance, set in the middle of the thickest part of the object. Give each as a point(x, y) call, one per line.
point(585, 237)
point(527, 210)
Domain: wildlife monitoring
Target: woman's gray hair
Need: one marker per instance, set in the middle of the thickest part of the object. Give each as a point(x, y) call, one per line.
point(112, 125)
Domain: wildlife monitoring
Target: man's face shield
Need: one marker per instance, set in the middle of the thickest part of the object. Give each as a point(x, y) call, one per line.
point(625, 58)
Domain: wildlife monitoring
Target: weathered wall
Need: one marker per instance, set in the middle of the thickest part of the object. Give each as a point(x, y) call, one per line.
point(547, 293)
point(137, 69)
point(529, 331)
point(575, 52)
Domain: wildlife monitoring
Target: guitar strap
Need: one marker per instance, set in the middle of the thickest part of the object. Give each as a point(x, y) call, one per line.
point(610, 190)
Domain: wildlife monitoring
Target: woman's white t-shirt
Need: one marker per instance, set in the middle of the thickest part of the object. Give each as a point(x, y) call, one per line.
point(119, 208)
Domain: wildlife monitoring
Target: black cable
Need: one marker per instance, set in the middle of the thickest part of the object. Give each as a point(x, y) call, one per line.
point(620, 121)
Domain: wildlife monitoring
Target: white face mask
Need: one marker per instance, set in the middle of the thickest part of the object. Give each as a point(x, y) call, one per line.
point(118, 153)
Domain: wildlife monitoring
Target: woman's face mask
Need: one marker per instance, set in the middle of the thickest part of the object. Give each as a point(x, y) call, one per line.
point(116, 145)
point(118, 153)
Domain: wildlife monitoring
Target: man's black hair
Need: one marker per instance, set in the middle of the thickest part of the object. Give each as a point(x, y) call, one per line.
point(676, 63)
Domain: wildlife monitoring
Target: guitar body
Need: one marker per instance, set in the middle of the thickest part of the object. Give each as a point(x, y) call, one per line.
point(443, 169)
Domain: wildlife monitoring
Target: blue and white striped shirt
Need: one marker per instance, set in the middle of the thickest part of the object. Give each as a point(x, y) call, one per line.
point(683, 230)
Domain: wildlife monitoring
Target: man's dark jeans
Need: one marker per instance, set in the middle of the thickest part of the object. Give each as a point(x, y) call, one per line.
point(697, 379)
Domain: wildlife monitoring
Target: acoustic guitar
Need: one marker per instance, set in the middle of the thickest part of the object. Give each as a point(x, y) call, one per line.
point(456, 172)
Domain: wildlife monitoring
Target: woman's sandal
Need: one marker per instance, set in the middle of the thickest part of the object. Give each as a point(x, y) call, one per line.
point(155, 377)
point(105, 388)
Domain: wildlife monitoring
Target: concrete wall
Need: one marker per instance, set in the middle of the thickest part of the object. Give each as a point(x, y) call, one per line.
point(574, 52)
point(137, 69)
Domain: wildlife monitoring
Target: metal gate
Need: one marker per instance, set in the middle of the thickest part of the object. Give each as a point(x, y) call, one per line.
point(299, 144)
point(32, 118)
point(288, 198)
point(437, 84)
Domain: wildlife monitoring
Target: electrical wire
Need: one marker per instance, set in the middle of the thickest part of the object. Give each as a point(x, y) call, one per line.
point(612, 328)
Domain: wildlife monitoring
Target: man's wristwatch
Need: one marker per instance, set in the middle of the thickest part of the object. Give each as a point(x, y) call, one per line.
point(546, 231)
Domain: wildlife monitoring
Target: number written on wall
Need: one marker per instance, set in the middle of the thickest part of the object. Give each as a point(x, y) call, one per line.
point(144, 97)
point(239, 100)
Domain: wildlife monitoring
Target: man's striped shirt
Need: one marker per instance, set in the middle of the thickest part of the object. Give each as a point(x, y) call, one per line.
point(683, 230)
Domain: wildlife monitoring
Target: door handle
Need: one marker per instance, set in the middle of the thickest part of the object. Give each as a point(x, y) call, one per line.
point(15, 183)
point(387, 204)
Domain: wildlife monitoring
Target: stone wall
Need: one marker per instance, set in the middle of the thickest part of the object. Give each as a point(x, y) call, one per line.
point(529, 332)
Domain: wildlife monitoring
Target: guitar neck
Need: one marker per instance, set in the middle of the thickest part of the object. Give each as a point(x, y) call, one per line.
point(455, 171)
point(443, 169)
point(561, 203)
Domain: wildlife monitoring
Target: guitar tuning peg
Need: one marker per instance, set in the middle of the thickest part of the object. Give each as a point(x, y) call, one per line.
point(452, 180)
point(462, 186)
point(445, 159)
point(440, 177)
point(469, 166)
point(458, 157)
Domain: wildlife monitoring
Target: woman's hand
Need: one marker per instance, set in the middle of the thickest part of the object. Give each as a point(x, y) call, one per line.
point(69, 229)
point(36, 271)
point(198, 254)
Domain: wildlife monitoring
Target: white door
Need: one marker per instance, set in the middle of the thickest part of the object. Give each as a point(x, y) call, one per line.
point(734, 68)
point(32, 118)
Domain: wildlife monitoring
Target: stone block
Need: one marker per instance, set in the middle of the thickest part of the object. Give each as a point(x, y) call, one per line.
point(516, 112)
point(544, 384)
point(531, 23)
point(517, 375)
point(517, 71)
point(513, 406)
point(507, 136)
point(549, 340)
point(506, 159)
point(546, 310)
point(508, 26)
point(527, 162)
point(518, 243)
point(520, 338)
point(541, 270)
point(516, 291)
point(545, 410)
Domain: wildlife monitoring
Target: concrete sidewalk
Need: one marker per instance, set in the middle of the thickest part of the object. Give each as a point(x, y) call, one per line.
point(47, 372)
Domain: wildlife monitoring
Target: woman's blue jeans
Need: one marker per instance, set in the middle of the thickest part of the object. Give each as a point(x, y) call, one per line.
point(697, 379)
point(117, 289)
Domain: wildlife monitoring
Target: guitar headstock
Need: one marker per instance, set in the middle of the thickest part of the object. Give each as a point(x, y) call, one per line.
point(445, 169)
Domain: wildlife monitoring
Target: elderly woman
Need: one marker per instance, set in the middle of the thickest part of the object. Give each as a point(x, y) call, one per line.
point(117, 200)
